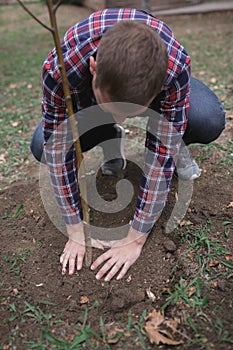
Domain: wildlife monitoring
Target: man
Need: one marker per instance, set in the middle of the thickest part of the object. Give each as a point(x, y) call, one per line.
point(127, 56)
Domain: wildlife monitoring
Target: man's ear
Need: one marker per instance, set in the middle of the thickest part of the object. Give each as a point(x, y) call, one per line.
point(92, 65)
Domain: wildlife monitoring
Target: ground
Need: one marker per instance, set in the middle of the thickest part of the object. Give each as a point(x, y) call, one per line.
point(187, 272)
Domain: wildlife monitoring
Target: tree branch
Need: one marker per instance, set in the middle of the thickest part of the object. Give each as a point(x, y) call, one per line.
point(33, 16)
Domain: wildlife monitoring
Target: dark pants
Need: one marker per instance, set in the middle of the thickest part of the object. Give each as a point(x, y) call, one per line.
point(206, 121)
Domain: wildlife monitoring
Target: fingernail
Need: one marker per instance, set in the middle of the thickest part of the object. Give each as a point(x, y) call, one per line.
point(97, 277)
point(92, 267)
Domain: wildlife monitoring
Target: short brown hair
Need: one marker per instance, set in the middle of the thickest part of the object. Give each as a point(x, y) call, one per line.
point(131, 62)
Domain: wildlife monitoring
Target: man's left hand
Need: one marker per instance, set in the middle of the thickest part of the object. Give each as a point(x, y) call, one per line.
point(122, 254)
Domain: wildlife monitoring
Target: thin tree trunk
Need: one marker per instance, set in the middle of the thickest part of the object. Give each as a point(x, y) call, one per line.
point(82, 178)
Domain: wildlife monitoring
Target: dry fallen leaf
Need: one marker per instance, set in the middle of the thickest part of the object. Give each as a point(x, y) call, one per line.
point(2, 158)
point(214, 284)
point(84, 299)
point(6, 347)
point(113, 333)
point(229, 257)
point(129, 279)
point(14, 124)
point(191, 291)
point(230, 205)
point(213, 80)
point(190, 256)
point(156, 328)
point(214, 263)
point(150, 295)
point(185, 223)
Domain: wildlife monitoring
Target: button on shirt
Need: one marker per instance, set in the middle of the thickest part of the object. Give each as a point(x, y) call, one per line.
point(163, 136)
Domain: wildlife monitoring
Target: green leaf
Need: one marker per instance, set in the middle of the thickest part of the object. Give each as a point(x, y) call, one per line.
point(45, 302)
point(19, 210)
point(225, 223)
point(6, 216)
point(227, 263)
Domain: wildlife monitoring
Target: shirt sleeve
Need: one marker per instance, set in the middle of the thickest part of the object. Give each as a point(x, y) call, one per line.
point(59, 149)
point(164, 136)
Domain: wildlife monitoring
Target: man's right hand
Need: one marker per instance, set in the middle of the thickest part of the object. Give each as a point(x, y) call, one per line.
point(74, 251)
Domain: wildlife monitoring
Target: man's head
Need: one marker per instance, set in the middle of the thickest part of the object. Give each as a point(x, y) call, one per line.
point(131, 64)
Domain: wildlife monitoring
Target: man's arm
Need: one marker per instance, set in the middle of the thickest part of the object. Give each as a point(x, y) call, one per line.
point(61, 161)
point(164, 137)
point(59, 149)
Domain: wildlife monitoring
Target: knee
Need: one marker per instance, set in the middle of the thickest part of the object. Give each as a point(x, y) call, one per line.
point(36, 144)
point(206, 115)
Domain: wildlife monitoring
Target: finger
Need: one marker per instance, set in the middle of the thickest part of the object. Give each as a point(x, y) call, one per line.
point(103, 257)
point(65, 262)
point(80, 261)
point(123, 271)
point(71, 265)
point(62, 257)
point(105, 268)
point(112, 272)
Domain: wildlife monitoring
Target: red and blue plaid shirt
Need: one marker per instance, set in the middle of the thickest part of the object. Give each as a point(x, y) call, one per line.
point(80, 42)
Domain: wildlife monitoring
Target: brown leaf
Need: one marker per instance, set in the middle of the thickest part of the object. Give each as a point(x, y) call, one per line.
point(14, 124)
point(213, 80)
point(214, 284)
point(2, 158)
point(157, 337)
point(113, 333)
point(6, 347)
point(173, 324)
point(213, 263)
point(84, 299)
point(228, 257)
point(129, 279)
point(150, 295)
point(157, 334)
point(230, 205)
point(156, 317)
point(185, 223)
point(191, 291)
point(190, 256)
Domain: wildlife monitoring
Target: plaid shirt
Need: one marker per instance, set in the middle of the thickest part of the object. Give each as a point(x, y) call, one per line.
point(80, 42)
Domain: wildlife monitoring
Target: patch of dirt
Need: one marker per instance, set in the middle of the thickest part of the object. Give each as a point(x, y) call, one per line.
point(39, 243)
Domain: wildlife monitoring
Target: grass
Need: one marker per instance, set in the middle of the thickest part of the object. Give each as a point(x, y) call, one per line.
point(82, 336)
point(20, 84)
point(16, 260)
point(190, 293)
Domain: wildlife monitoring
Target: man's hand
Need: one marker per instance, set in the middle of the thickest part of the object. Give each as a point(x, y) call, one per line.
point(74, 251)
point(120, 256)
